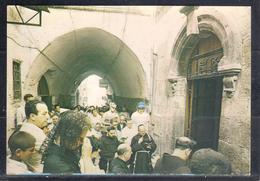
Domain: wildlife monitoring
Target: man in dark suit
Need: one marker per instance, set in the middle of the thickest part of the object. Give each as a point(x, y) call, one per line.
point(119, 164)
point(176, 163)
point(108, 148)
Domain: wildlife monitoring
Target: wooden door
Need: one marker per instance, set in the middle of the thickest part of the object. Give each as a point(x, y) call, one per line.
point(204, 92)
point(206, 108)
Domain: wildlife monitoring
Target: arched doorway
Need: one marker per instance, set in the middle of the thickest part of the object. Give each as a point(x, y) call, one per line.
point(213, 39)
point(230, 69)
point(43, 92)
point(93, 91)
point(204, 91)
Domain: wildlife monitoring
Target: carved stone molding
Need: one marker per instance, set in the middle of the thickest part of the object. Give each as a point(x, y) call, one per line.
point(229, 85)
point(209, 20)
point(192, 21)
point(171, 86)
point(188, 9)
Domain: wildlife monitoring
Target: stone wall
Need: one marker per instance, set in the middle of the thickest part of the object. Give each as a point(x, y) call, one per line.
point(234, 133)
point(167, 111)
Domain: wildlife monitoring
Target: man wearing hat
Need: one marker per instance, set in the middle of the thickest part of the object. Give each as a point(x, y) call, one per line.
point(140, 116)
point(176, 163)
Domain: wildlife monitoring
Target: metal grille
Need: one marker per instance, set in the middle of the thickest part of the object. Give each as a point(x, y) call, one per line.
point(204, 65)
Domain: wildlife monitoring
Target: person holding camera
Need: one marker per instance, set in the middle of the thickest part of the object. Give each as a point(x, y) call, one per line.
point(143, 146)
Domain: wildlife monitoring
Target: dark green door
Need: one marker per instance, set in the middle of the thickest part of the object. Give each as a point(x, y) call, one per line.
point(206, 108)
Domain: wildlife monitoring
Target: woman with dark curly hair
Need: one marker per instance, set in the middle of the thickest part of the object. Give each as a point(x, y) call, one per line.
point(64, 158)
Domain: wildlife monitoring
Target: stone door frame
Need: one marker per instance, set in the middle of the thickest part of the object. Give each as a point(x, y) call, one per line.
point(207, 20)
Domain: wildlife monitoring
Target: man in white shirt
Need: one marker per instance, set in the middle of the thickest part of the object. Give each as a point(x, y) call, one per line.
point(20, 112)
point(37, 116)
point(140, 116)
point(96, 131)
point(94, 117)
point(128, 132)
point(112, 113)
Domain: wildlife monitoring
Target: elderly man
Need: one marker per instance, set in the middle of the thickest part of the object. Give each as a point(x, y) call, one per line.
point(119, 164)
point(122, 122)
point(37, 116)
point(175, 163)
point(143, 147)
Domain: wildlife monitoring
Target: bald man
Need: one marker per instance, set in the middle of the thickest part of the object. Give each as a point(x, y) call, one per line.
point(119, 164)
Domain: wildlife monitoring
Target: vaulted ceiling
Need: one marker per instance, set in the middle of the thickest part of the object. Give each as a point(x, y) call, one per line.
point(72, 57)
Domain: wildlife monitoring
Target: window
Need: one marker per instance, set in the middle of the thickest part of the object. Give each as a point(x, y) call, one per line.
point(17, 79)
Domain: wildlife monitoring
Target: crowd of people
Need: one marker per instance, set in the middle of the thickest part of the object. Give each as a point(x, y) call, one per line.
point(98, 140)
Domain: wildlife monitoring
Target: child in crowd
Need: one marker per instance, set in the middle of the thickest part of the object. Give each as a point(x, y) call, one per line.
point(22, 146)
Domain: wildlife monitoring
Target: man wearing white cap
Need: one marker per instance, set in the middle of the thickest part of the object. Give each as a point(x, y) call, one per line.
point(140, 116)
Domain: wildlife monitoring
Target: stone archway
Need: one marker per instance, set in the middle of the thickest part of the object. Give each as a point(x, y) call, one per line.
point(70, 58)
point(209, 20)
point(43, 92)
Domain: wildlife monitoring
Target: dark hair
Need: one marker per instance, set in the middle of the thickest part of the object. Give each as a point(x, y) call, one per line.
point(140, 126)
point(77, 107)
point(56, 105)
point(71, 126)
point(26, 96)
point(104, 109)
point(209, 162)
point(30, 107)
point(54, 114)
point(21, 140)
point(91, 108)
